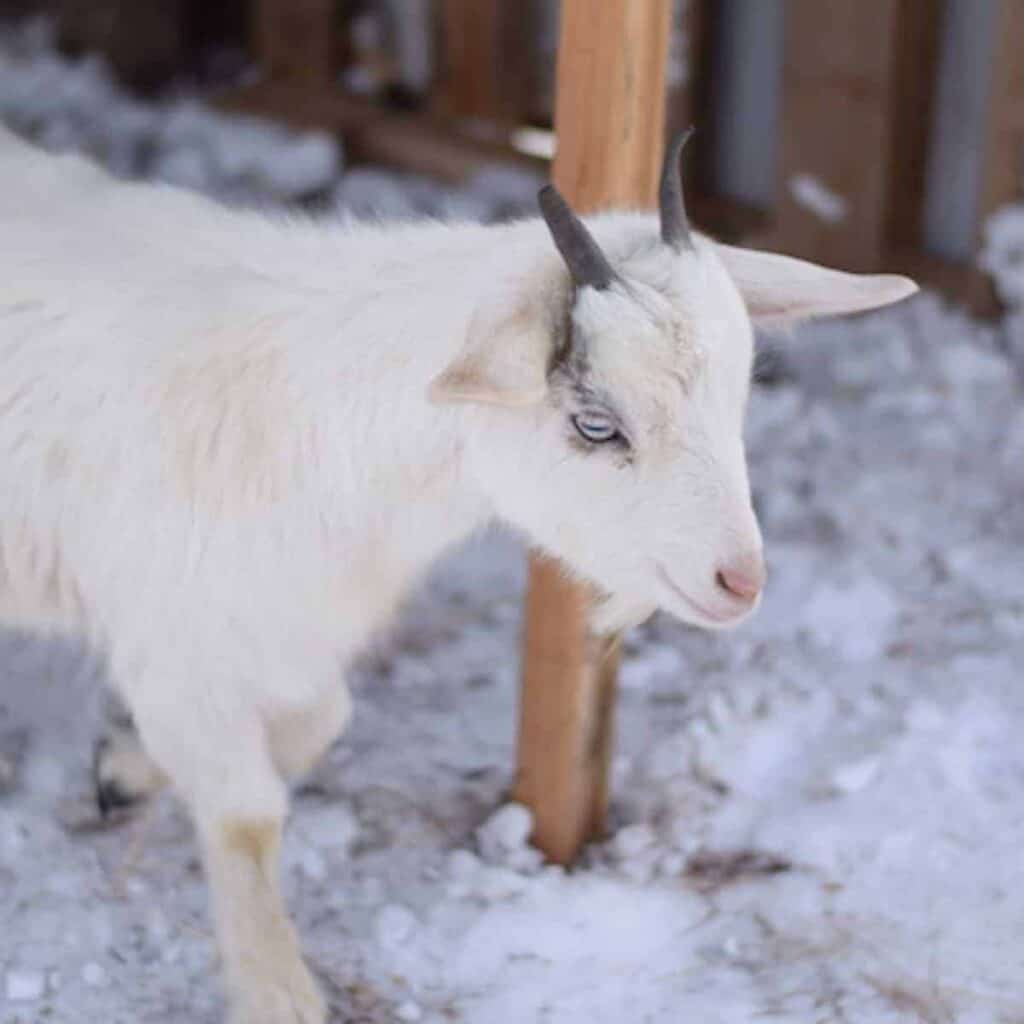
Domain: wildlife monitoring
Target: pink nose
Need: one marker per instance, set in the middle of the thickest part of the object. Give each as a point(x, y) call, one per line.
point(743, 577)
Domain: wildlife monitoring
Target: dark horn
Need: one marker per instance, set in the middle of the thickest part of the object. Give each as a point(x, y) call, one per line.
point(675, 229)
point(587, 264)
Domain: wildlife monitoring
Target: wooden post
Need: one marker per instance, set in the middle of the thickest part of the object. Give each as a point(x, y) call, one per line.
point(296, 41)
point(842, 93)
point(486, 47)
point(609, 118)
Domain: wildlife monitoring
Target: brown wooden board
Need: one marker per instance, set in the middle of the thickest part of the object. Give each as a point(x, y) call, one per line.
point(486, 61)
point(296, 41)
point(916, 45)
point(609, 117)
point(840, 102)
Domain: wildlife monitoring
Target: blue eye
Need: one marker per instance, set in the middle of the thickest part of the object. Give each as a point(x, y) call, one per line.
point(596, 428)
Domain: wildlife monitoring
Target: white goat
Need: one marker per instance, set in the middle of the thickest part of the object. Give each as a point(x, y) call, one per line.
point(229, 443)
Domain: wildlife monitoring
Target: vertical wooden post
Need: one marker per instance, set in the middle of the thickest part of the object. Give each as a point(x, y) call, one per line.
point(840, 102)
point(609, 118)
point(296, 41)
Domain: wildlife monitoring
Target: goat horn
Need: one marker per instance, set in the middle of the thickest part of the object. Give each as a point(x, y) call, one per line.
point(586, 263)
point(675, 229)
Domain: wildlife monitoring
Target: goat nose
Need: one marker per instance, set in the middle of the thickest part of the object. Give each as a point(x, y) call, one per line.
point(743, 577)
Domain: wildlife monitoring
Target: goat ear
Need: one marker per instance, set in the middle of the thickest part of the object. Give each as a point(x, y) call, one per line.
point(504, 360)
point(780, 290)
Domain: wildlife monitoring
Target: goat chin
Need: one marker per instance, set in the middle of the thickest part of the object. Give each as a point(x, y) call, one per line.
point(615, 613)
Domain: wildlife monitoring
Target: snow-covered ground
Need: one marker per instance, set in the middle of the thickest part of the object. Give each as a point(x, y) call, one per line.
point(818, 819)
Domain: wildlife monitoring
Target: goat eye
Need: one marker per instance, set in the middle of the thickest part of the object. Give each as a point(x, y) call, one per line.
point(595, 428)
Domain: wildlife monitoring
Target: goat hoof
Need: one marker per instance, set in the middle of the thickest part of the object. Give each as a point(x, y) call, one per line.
point(122, 773)
point(111, 797)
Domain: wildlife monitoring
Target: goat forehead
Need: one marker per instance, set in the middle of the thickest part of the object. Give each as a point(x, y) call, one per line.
point(668, 395)
point(639, 347)
point(668, 334)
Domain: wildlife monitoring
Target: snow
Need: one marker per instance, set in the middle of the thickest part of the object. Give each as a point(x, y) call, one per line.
point(1003, 259)
point(816, 197)
point(94, 975)
point(504, 839)
point(24, 986)
point(1003, 254)
point(817, 818)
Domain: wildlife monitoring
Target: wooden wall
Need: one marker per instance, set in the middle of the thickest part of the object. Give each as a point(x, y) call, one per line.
point(870, 134)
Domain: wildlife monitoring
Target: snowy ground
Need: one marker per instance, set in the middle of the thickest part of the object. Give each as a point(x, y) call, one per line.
point(817, 820)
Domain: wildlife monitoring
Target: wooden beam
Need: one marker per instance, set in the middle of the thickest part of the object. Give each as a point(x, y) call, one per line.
point(609, 117)
point(840, 102)
point(417, 143)
point(296, 41)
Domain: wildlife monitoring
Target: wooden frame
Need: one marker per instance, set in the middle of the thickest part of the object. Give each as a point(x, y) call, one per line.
point(297, 45)
point(871, 68)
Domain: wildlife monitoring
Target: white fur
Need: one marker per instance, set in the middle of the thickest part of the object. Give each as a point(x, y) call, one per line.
point(229, 443)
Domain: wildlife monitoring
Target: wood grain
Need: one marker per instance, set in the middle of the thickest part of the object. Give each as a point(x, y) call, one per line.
point(486, 57)
point(841, 103)
point(610, 101)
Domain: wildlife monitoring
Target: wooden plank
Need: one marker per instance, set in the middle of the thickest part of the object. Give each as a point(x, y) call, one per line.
point(918, 24)
point(609, 116)
point(416, 143)
point(486, 55)
point(296, 41)
point(839, 98)
point(1002, 173)
point(688, 83)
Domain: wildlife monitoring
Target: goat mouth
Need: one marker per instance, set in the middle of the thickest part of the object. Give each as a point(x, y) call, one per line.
point(717, 617)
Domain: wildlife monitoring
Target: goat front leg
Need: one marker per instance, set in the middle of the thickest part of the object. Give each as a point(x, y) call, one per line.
point(267, 981)
point(239, 802)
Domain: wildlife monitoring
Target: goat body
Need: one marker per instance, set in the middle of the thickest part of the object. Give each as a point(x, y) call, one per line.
point(229, 443)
